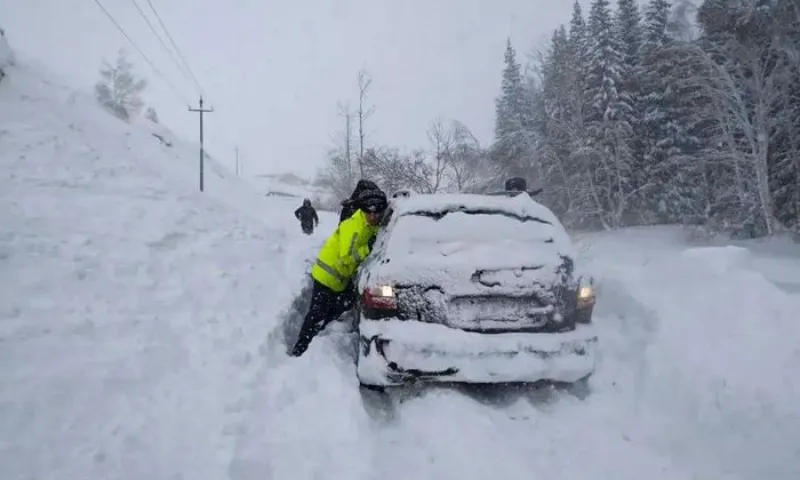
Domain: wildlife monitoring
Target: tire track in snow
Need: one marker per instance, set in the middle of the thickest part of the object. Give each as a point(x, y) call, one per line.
point(502, 432)
point(300, 420)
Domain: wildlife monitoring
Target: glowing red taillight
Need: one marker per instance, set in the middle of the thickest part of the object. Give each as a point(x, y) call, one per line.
point(380, 298)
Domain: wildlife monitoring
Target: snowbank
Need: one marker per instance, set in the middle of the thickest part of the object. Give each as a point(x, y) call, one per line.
point(133, 308)
point(716, 374)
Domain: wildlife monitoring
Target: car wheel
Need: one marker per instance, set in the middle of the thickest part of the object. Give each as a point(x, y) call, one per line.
point(580, 388)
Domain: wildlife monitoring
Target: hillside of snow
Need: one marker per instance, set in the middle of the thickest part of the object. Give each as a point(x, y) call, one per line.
point(142, 336)
point(132, 306)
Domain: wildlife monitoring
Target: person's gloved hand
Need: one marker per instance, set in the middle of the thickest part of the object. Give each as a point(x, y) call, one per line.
point(371, 242)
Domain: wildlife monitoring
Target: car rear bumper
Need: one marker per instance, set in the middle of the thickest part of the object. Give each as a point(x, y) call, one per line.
point(394, 352)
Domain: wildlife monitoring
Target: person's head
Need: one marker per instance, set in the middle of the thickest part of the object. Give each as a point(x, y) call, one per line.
point(306, 202)
point(373, 203)
point(362, 186)
point(365, 184)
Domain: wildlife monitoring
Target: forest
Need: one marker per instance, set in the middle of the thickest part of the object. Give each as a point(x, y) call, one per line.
point(668, 114)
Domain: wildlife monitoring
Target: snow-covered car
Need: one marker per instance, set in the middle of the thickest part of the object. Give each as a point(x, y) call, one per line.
point(404, 193)
point(471, 288)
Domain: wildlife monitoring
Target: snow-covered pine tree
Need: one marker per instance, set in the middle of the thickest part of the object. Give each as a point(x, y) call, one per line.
point(511, 150)
point(119, 89)
point(628, 29)
point(654, 132)
point(579, 53)
point(554, 122)
point(608, 126)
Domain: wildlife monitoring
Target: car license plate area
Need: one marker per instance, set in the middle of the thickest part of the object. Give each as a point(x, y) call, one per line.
point(497, 313)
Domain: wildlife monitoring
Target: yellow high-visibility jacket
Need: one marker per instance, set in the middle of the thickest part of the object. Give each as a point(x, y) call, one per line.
point(343, 252)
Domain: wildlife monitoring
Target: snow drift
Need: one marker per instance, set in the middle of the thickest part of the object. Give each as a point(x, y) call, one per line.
point(132, 307)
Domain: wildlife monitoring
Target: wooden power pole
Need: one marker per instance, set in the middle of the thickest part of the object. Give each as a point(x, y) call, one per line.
point(201, 111)
point(237, 160)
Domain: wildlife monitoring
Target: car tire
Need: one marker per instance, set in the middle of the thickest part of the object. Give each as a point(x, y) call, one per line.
point(580, 388)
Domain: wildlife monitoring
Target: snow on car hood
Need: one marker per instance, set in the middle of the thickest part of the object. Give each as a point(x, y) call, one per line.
point(467, 243)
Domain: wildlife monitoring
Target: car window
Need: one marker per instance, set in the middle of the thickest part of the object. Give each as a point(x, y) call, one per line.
point(474, 229)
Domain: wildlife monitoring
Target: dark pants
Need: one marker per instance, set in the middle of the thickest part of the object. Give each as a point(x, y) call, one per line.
point(326, 306)
point(308, 228)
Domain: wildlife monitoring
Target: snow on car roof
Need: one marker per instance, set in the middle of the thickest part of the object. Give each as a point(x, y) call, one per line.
point(522, 205)
point(508, 233)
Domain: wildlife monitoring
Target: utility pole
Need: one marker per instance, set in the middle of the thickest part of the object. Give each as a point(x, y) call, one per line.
point(237, 160)
point(201, 111)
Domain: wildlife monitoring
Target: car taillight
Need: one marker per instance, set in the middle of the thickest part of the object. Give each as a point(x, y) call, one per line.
point(585, 296)
point(380, 298)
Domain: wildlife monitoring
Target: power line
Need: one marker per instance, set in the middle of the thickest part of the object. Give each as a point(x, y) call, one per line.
point(160, 40)
point(152, 65)
point(177, 50)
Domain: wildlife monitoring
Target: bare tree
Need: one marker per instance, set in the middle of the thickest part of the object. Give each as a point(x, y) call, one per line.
point(347, 143)
point(468, 162)
point(364, 112)
point(441, 138)
point(394, 170)
point(338, 174)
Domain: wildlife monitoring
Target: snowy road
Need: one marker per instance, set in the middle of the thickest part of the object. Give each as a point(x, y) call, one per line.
point(142, 330)
point(654, 413)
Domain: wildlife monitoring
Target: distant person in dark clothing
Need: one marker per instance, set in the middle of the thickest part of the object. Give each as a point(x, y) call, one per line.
point(307, 216)
point(350, 206)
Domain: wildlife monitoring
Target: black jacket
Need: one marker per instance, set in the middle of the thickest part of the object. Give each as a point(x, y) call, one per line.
point(350, 205)
point(307, 216)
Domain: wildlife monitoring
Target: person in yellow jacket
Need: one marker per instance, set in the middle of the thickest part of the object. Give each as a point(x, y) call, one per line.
point(332, 274)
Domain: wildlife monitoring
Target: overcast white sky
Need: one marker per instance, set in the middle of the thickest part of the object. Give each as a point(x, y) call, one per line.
point(275, 70)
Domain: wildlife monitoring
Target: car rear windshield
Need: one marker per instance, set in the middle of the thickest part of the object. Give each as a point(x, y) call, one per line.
point(473, 225)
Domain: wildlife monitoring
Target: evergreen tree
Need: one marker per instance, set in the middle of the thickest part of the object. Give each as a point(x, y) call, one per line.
point(608, 120)
point(629, 34)
point(579, 53)
point(511, 150)
point(119, 90)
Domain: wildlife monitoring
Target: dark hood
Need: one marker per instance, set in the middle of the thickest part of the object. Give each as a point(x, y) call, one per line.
point(361, 186)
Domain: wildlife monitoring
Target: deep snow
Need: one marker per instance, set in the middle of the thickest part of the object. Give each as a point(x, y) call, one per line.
point(141, 336)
